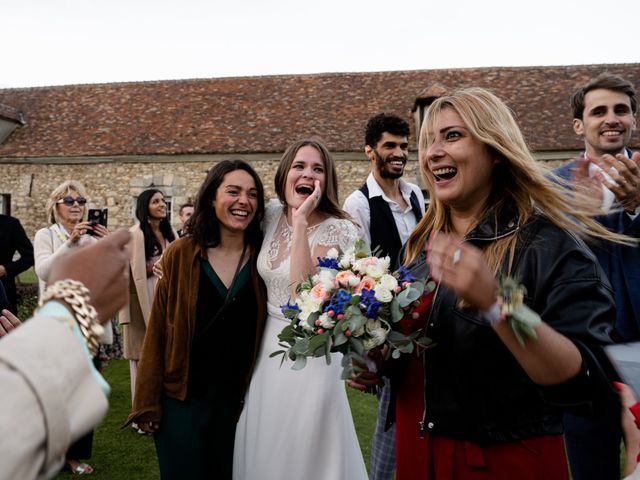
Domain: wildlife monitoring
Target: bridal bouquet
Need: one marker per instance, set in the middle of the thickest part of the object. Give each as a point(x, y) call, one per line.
point(352, 305)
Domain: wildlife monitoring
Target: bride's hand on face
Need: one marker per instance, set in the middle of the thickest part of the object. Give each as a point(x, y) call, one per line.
point(301, 214)
point(461, 267)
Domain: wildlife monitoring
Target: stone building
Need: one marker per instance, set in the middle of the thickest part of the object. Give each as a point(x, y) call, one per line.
point(119, 139)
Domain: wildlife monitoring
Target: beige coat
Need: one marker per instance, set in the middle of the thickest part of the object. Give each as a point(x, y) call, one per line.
point(49, 245)
point(49, 398)
point(135, 317)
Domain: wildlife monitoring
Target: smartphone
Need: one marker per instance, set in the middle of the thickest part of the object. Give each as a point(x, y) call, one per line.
point(97, 216)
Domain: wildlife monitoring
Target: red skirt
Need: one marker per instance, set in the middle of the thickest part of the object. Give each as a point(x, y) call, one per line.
point(441, 458)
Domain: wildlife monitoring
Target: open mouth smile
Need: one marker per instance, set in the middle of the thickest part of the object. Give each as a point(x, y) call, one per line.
point(304, 190)
point(611, 133)
point(240, 213)
point(444, 173)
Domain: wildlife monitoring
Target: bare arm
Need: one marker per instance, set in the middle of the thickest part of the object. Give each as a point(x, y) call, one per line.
point(550, 360)
point(301, 262)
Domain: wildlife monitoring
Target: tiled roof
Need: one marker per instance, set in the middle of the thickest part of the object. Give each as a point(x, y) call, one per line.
point(264, 114)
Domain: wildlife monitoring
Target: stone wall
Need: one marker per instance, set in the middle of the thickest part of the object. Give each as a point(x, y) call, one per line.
point(115, 185)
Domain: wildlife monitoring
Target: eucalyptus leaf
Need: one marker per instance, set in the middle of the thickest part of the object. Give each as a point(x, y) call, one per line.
point(527, 316)
point(424, 341)
point(300, 363)
point(397, 337)
point(301, 346)
point(318, 342)
point(356, 322)
point(396, 311)
point(339, 338)
point(357, 345)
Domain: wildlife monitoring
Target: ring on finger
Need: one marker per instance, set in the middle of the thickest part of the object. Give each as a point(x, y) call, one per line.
point(456, 256)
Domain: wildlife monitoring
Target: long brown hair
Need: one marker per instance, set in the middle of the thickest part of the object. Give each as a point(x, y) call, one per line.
point(517, 178)
point(329, 201)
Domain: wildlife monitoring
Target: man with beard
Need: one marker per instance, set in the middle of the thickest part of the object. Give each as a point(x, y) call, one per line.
point(603, 113)
point(386, 209)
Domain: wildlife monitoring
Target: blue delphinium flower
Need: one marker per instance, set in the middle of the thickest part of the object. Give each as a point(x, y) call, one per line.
point(328, 263)
point(368, 299)
point(337, 302)
point(404, 275)
point(287, 307)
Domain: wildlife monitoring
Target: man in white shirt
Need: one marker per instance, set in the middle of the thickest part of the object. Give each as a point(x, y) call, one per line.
point(604, 115)
point(386, 209)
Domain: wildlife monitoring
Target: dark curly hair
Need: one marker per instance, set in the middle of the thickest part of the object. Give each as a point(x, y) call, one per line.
point(384, 122)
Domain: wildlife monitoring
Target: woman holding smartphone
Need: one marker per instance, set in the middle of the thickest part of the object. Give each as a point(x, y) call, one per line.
point(67, 231)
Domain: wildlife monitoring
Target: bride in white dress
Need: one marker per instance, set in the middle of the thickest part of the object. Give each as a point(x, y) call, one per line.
point(297, 424)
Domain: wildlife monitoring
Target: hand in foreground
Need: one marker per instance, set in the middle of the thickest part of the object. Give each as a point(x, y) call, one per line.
point(584, 182)
point(103, 269)
point(8, 322)
point(462, 268)
point(624, 179)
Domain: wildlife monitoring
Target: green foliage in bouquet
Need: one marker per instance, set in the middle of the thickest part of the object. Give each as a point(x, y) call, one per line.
point(351, 305)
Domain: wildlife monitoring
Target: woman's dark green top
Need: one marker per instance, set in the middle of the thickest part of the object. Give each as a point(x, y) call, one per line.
point(222, 354)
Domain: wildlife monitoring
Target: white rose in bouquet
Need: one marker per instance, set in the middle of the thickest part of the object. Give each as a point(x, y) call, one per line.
point(383, 295)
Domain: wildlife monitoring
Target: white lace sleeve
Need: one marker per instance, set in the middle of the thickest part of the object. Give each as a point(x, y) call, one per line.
point(335, 233)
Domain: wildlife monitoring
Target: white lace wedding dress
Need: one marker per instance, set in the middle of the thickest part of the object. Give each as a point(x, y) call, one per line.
point(295, 424)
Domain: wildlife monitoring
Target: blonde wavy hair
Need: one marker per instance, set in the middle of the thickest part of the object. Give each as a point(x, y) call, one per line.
point(61, 191)
point(518, 179)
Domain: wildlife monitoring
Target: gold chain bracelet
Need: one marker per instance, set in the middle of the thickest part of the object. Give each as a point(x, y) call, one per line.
point(76, 295)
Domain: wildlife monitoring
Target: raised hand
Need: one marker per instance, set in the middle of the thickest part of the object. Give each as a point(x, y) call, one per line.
point(462, 268)
point(624, 178)
point(79, 229)
point(102, 268)
point(303, 212)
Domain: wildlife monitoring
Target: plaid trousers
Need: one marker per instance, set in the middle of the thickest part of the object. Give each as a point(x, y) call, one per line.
point(383, 446)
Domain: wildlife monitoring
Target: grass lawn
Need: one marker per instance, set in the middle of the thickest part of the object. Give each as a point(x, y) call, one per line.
point(122, 454)
point(28, 276)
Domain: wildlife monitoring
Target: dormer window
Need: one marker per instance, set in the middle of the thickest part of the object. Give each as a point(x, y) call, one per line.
point(10, 119)
point(423, 100)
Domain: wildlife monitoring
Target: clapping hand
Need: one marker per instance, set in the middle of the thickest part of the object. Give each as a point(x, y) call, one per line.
point(623, 178)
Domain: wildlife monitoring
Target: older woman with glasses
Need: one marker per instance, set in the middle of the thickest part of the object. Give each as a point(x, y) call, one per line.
point(68, 230)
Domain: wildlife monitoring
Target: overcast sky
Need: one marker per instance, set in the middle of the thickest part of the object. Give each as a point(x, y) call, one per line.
point(57, 42)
